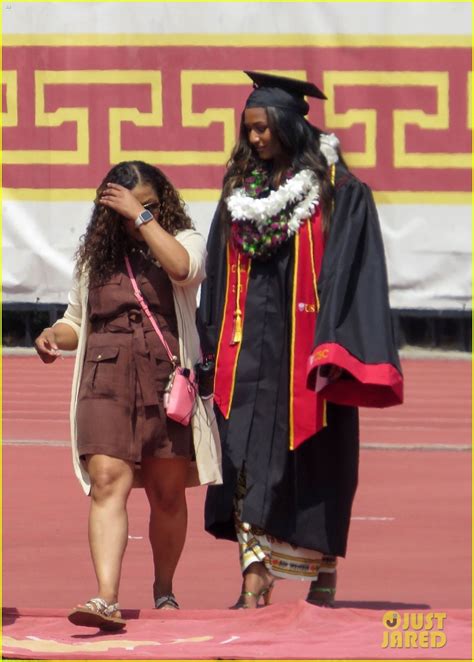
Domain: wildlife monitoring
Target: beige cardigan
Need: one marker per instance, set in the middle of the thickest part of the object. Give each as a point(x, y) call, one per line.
point(207, 468)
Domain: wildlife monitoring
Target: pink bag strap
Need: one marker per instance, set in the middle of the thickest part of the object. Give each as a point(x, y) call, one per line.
point(147, 311)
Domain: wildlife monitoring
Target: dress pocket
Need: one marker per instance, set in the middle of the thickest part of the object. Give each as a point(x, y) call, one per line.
point(100, 379)
point(108, 298)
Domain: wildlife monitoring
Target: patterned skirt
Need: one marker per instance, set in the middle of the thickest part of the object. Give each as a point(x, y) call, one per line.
point(281, 559)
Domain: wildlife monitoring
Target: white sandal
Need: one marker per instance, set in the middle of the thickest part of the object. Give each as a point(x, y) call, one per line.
point(97, 613)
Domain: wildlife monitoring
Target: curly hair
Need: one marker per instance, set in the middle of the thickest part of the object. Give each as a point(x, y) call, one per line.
point(300, 144)
point(103, 246)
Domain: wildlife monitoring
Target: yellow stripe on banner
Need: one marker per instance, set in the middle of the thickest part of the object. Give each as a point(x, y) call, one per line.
point(49, 194)
point(292, 345)
point(423, 197)
point(201, 194)
point(240, 40)
point(325, 418)
point(231, 397)
point(212, 195)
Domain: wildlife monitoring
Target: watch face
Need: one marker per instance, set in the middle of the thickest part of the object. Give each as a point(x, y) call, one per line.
point(146, 216)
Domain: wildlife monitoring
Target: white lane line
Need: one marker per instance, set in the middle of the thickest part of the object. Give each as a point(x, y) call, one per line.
point(415, 447)
point(228, 641)
point(376, 446)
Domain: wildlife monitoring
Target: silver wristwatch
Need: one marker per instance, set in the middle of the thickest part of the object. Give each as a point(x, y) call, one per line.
point(144, 217)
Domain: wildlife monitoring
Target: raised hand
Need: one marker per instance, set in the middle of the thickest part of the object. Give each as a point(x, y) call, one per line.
point(121, 200)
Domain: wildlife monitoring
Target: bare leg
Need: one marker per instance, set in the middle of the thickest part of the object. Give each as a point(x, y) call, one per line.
point(112, 481)
point(165, 481)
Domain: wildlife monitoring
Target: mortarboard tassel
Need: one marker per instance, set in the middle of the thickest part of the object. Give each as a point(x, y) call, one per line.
point(237, 329)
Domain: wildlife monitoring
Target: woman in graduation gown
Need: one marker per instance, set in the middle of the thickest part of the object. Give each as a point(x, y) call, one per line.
point(295, 310)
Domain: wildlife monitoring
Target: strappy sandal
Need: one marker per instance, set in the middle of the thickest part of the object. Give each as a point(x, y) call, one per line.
point(265, 594)
point(166, 602)
point(97, 613)
point(323, 596)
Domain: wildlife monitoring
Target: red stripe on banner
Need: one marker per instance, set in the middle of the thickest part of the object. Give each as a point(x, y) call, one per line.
point(439, 94)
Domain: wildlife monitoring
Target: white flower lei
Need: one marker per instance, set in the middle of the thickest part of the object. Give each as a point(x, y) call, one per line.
point(302, 188)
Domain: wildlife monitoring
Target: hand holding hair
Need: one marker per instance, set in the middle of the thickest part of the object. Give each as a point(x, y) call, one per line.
point(121, 200)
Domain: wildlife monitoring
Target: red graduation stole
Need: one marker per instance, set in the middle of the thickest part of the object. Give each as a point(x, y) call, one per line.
point(307, 410)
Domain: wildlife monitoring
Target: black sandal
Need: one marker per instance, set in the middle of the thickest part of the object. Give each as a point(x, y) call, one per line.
point(166, 602)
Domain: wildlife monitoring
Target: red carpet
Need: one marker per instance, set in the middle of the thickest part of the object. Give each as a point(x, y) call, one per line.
point(293, 630)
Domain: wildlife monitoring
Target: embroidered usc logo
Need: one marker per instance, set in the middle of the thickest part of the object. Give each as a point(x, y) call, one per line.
point(322, 354)
point(307, 307)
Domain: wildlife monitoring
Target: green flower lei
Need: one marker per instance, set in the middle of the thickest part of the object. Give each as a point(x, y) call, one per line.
point(247, 237)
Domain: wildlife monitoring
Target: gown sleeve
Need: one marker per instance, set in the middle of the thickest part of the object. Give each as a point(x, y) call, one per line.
point(210, 310)
point(354, 326)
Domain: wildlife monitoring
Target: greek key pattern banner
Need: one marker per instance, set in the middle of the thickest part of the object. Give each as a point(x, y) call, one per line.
point(71, 109)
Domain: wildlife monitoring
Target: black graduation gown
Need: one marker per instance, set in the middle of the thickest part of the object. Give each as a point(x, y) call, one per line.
point(302, 496)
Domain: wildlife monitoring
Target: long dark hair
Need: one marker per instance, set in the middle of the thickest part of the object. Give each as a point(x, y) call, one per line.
point(102, 248)
point(300, 144)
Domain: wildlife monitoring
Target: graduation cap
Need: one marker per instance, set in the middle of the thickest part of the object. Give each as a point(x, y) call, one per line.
point(281, 92)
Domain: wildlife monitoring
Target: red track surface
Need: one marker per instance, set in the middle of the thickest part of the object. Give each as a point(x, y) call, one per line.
point(436, 409)
point(410, 537)
point(419, 555)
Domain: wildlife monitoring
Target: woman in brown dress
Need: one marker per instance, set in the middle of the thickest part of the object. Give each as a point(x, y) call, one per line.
point(118, 419)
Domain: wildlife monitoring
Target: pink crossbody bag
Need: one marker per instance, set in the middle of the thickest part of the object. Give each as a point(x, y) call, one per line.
point(180, 393)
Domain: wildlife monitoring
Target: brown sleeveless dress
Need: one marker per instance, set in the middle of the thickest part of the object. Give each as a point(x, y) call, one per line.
point(126, 369)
